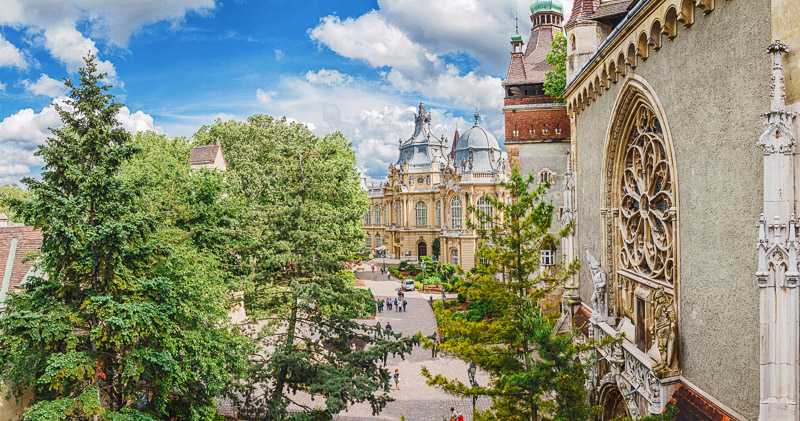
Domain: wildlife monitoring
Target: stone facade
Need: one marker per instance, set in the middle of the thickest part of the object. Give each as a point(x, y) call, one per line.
point(669, 186)
point(428, 192)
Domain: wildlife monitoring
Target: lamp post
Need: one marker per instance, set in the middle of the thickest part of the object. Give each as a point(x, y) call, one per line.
point(471, 373)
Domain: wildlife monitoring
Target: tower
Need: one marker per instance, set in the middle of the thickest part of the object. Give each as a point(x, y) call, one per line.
point(531, 117)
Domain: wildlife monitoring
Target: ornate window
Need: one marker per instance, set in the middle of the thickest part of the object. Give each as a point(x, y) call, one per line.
point(399, 206)
point(368, 216)
point(548, 257)
point(645, 202)
point(422, 214)
point(455, 213)
point(369, 240)
point(438, 213)
point(378, 214)
point(454, 257)
point(377, 240)
point(485, 215)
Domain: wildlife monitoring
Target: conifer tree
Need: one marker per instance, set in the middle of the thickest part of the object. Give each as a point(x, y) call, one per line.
point(534, 371)
point(126, 322)
point(308, 215)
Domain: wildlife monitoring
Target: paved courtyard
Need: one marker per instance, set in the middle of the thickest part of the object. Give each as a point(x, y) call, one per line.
point(415, 399)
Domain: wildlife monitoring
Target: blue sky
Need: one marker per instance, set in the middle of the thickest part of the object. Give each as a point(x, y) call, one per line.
point(357, 66)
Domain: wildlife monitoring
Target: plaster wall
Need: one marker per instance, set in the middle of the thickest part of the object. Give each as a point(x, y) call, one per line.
point(713, 82)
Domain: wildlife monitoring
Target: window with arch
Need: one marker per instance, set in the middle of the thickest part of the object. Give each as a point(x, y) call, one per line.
point(378, 214)
point(455, 213)
point(572, 42)
point(369, 240)
point(422, 214)
point(368, 216)
point(438, 213)
point(546, 176)
point(377, 240)
point(454, 257)
point(548, 257)
point(485, 213)
point(399, 213)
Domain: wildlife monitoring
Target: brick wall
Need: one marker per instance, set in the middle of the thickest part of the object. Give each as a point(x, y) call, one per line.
point(523, 119)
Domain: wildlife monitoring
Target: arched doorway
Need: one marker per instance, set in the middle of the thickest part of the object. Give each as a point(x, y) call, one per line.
point(613, 404)
point(422, 249)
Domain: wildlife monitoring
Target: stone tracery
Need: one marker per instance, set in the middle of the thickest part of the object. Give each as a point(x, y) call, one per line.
point(646, 197)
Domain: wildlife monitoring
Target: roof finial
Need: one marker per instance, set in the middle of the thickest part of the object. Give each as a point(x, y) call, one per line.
point(516, 22)
point(477, 116)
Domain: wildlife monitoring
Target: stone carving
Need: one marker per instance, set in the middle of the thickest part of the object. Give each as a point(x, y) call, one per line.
point(599, 280)
point(645, 198)
point(470, 159)
point(569, 189)
point(664, 331)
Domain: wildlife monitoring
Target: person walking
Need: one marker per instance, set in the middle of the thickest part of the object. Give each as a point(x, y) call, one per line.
point(460, 417)
point(380, 306)
point(453, 414)
point(388, 305)
point(396, 307)
point(378, 330)
point(373, 268)
point(405, 303)
point(397, 379)
point(388, 330)
point(435, 347)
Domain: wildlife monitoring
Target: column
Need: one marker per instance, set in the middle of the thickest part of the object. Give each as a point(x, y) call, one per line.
point(777, 273)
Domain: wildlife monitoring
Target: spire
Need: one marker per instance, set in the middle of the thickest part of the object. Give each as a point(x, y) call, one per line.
point(476, 116)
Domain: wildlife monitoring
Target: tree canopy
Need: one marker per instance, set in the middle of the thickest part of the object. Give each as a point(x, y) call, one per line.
point(556, 80)
point(534, 371)
point(128, 321)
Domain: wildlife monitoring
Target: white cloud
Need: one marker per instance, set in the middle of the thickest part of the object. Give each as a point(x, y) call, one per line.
point(67, 45)
point(45, 86)
point(328, 77)
point(370, 38)
point(279, 54)
point(265, 97)
point(2, 86)
point(11, 56)
point(21, 134)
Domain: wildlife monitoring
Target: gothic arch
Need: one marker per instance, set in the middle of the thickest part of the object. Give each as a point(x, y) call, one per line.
point(640, 194)
point(612, 402)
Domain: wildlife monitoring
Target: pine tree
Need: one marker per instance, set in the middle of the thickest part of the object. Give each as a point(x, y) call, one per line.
point(126, 323)
point(308, 213)
point(534, 371)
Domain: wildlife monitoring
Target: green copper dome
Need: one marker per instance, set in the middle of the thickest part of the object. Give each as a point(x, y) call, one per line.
point(547, 6)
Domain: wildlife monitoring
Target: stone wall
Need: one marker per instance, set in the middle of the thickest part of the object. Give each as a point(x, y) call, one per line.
point(712, 81)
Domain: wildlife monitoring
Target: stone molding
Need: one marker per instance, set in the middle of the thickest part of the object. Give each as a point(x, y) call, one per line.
point(642, 35)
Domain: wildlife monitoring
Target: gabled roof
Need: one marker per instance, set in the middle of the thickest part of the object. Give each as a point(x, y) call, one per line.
point(204, 154)
point(691, 406)
point(15, 245)
point(582, 10)
point(612, 9)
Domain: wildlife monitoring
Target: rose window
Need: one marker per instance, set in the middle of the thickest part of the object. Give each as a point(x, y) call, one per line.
point(646, 200)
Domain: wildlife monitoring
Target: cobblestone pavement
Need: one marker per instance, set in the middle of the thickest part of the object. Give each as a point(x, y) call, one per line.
point(415, 399)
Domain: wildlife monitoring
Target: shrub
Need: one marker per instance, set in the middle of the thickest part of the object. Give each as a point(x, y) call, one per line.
point(420, 277)
point(432, 281)
point(462, 298)
point(418, 285)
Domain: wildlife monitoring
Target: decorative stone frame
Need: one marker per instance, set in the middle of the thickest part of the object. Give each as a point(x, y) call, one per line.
point(635, 94)
point(640, 37)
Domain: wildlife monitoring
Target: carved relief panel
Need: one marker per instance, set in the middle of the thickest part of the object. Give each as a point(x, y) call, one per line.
point(641, 229)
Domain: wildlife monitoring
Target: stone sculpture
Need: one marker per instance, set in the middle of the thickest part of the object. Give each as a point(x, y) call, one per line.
point(599, 280)
point(663, 329)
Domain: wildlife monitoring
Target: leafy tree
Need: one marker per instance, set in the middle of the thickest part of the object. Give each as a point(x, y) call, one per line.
point(126, 323)
point(556, 80)
point(308, 209)
point(10, 192)
point(436, 248)
point(534, 372)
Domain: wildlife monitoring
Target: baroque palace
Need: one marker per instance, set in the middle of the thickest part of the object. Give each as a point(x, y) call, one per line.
point(429, 190)
point(683, 185)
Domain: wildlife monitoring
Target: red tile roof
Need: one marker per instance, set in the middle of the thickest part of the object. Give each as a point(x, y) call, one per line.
point(582, 10)
point(27, 241)
point(203, 154)
point(581, 320)
point(516, 71)
point(693, 407)
point(539, 46)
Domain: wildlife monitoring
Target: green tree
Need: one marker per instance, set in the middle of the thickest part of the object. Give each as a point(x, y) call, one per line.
point(534, 371)
point(10, 192)
point(308, 210)
point(436, 248)
point(556, 80)
point(126, 323)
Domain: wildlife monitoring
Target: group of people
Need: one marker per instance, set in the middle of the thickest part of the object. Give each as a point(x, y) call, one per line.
point(398, 304)
point(455, 416)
